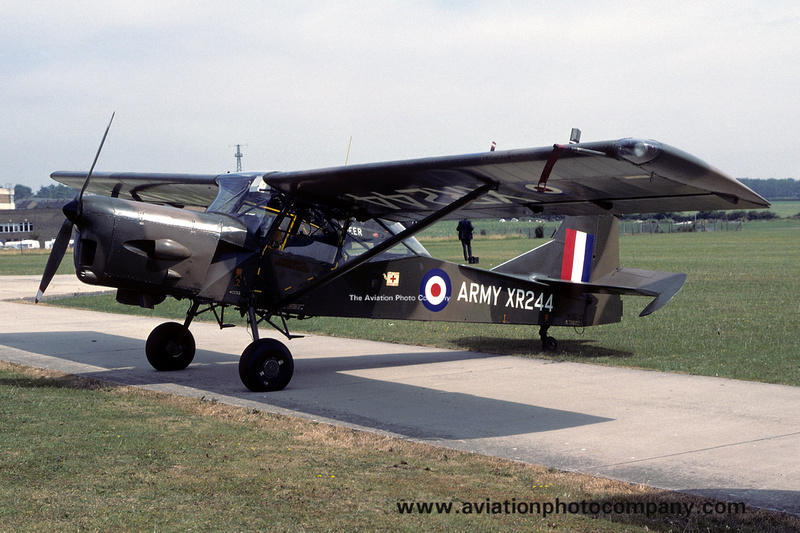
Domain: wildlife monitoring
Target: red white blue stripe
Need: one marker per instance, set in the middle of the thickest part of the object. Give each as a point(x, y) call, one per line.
point(578, 249)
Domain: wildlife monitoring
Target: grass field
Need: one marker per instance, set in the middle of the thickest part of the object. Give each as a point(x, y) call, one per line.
point(31, 262)
point(79, 454)
point(737, 316)
point(781, 209)
point(785, 209)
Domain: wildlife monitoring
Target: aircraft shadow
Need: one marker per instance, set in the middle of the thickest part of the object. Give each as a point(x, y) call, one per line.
point(584, 349)
point(321, 387)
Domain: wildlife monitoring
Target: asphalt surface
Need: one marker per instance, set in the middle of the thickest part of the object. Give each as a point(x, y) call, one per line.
point(731, 440)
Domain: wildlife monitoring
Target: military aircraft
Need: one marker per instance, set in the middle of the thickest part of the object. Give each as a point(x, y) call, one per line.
point(339, 241)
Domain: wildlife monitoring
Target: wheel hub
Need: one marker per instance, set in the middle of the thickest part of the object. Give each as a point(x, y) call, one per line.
point(272, 368)
point(174, 349)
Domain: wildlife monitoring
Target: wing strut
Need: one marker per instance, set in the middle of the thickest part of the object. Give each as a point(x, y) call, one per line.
point(315, 283)
point(559, 149)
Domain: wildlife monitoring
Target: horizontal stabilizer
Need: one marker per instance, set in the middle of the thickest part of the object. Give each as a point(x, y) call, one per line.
point(633, 281)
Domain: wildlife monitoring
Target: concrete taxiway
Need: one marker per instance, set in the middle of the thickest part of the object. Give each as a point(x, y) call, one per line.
point(726, 439)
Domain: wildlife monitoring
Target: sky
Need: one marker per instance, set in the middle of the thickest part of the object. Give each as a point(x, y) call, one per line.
point(294, 82)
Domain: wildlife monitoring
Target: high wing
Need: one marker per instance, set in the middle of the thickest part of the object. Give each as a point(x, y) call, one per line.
point(180, 190)
point(610, 177)
point(613, 177)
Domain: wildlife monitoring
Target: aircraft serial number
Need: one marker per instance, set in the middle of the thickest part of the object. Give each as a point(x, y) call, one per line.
point(514, 298)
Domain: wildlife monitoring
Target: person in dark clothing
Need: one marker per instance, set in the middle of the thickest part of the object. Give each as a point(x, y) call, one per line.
point(465, 230)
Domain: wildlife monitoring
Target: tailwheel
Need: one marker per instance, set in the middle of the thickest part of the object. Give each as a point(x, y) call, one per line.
point(170, 346)
point(266, 365)
point(549, 344)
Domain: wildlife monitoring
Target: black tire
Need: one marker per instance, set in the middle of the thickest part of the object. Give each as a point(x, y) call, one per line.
point(549, 344)
point(170, 347)
point(266, 365)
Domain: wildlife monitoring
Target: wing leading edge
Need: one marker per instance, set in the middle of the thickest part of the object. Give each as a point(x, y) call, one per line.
point(195, 190)
point(612, 177)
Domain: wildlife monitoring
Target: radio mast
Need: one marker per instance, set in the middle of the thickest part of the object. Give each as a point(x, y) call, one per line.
point(238, 156)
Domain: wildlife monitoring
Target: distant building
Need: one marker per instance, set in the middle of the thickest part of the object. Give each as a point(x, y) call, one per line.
point(6, 198)
point(40, 223)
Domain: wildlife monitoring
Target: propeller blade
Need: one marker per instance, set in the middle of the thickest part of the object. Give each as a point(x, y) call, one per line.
point(73, 212)
point(56, 255)
point(91, 170)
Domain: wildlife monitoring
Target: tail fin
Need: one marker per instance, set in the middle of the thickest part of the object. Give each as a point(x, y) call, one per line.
point(583, 249)
point(585, 252)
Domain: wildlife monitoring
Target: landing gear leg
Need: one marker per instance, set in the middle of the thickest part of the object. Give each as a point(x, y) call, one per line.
point(549, 344)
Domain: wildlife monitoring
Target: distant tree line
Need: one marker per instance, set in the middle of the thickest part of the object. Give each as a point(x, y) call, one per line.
point(45, 191)
point(705, 215)
point(774, 189)
point(21, 192)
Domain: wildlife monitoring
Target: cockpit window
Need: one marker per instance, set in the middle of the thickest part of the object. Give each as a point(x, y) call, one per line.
point(232, 189)
point(240, 197)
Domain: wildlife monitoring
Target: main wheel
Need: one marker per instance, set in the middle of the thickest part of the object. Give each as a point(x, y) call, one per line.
point(170, 347)
point(266, 365)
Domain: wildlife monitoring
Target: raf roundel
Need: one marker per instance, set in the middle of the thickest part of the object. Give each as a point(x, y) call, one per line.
point(435, 290)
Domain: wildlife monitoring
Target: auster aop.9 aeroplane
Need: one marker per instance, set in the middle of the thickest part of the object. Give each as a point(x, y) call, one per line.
point(340, 241)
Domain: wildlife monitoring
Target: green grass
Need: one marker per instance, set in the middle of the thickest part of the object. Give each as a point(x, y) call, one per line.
point(80, 454)
point(440, 230)
point(785, 208)
point(28, 262)
point(737, 316)
point(489, 227)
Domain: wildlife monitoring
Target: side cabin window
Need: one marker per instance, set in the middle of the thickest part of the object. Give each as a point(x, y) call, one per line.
point(363, 236)
point(310, 233)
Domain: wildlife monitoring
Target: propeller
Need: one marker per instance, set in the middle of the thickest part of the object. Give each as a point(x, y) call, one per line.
point(72, 211)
